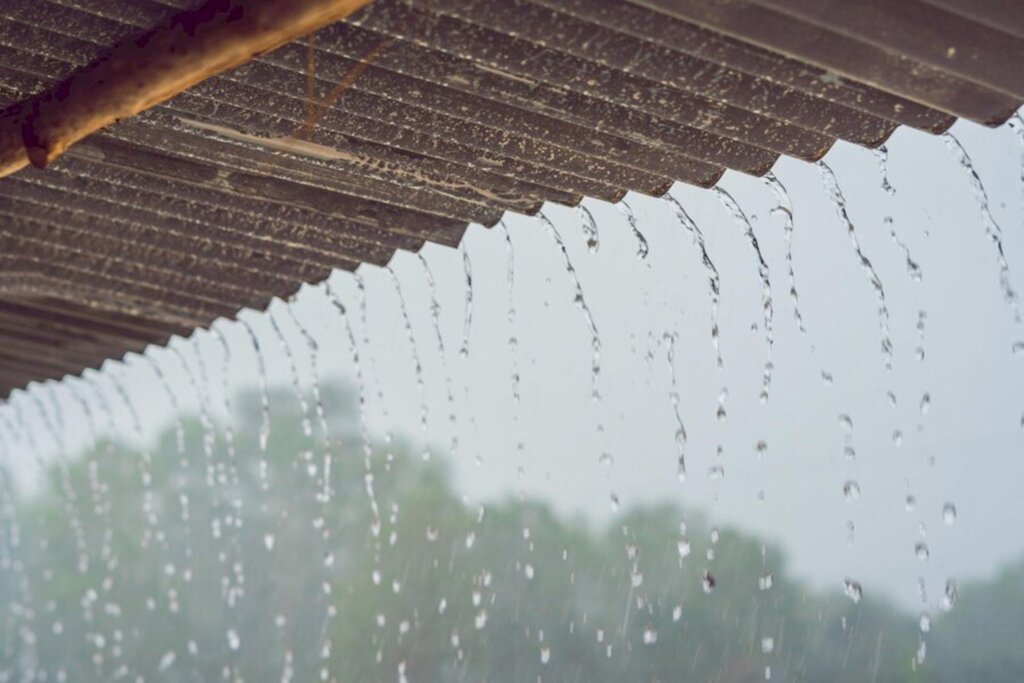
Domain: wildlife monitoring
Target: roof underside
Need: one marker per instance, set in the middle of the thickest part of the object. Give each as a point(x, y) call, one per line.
point(430, 116)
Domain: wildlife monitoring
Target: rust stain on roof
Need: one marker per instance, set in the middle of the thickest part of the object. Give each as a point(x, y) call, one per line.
point(412, 119)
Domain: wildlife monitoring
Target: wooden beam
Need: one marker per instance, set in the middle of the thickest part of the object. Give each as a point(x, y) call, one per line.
point(147, 70)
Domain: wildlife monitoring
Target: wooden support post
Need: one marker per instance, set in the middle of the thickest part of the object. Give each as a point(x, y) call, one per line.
point(143, 72)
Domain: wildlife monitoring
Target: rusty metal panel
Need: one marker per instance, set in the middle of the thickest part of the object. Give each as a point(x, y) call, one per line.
point(414, 118)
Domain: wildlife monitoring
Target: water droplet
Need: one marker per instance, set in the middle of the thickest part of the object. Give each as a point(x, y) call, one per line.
point(851, 490)
point(950, 595)
point(432, 534)
point(925, 622)
point(897, 438)
point(684, 549)
point(926, 404)
point(1018, 348)
point(767, 645)
point(481, 620)
point(677, 613)
point(545, 654)
point(852, 590)
point(233, 642)
point(827, 378)
point(707, 582)
point(846, 422)
point(761, 447)
point(650, 635)
point(470, 539)
point(167, 661)
point(615, 502)
point(716, 472)
point(268, 541)
point(910, 502)
point(528, 570)
point(606, 459)
point(949, 514)
point(765, 581)
point(921, 551)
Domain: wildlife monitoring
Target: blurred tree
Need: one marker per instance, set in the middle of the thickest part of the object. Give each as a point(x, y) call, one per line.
point(322, 559)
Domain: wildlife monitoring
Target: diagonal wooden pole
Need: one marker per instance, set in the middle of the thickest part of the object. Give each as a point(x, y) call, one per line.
point(145, 71)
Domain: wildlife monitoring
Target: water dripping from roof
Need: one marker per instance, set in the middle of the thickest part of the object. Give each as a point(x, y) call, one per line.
point(415, 354)
point(642, 248)
point(993, 232)
point(435, 317)
point(741, 220)
point(714, 281)
point(590, 230)
point(839, 204)
point(784, 208)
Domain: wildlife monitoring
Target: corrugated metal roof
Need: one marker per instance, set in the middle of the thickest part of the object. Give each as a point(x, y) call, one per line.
point(436, 114)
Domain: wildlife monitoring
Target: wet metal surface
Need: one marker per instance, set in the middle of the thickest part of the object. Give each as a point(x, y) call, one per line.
point(413, 119)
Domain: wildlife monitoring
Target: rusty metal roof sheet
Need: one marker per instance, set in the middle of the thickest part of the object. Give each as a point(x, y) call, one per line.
point(434, 114)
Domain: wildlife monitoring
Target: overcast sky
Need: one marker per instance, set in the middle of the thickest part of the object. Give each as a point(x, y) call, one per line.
point(966, 450)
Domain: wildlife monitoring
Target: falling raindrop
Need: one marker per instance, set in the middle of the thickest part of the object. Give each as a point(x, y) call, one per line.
point(545, 654)
point(650, 635)
point(707, 582)
point(925, 404)
point(852, 590)
point(950, 595)
point(839, 203)
point(921, 551)
point(851, 490)
point(767, 645)
point(949, 514)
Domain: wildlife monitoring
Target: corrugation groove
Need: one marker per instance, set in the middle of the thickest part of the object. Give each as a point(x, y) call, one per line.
point(430, 115)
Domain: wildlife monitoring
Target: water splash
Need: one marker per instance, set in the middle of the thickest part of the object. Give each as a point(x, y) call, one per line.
point(784, 208)
point(992, 230)
point(414, 352)
point(839, 203)
point(766, 286)
point(714, 281)
point(435, 316)
point(642, 248)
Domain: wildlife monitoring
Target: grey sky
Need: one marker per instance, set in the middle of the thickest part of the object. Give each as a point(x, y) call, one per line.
point(977, 397)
